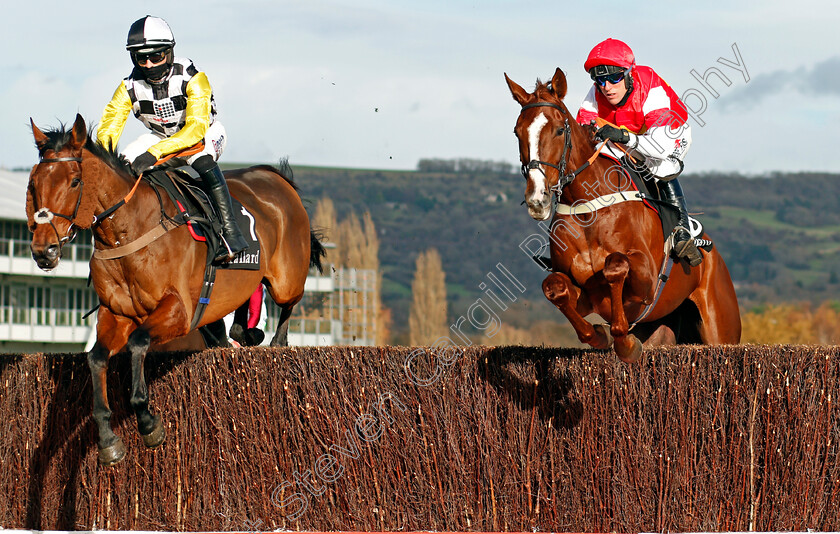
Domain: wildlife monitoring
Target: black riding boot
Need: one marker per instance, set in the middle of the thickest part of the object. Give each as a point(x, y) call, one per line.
point(233, 242)
point(684, 246)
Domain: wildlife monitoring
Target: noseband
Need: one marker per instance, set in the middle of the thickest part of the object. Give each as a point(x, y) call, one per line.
point(45, 216)
point(565, 179)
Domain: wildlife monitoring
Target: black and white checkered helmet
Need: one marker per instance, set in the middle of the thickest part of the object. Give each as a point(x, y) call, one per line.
point(149, 34)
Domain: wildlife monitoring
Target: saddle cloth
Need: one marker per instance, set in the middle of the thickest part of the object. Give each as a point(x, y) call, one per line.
point(196, 210)
point(645, 184)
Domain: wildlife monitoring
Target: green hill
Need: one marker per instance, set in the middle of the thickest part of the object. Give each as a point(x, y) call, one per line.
point(779, 234)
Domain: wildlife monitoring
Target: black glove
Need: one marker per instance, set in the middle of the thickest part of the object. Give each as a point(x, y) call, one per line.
point(143, 162)
point(616, 135)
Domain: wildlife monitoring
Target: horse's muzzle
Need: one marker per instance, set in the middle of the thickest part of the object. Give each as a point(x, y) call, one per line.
point(46, 257)
point(539, 209)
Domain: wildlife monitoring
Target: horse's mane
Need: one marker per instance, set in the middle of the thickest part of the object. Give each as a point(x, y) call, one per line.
point(60, 136)
point(109, 155)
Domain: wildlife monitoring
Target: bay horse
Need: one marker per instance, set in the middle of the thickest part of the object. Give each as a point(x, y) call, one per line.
point(610, 261)
point(150, 295)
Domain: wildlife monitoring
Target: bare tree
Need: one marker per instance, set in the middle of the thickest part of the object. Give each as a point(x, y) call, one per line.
point(357, 247)
point(371, 261)
point(325, 222)
point(350, 243)
point(427, 318)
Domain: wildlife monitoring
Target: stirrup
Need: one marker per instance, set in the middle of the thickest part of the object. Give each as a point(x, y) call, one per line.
point(224, 252)
point(687, 249)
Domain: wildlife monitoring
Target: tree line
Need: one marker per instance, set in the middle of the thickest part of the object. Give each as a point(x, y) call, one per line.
point(464, 165)
point(789, 323)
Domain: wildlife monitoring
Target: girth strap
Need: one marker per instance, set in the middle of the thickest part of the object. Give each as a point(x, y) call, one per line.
point(204, 296)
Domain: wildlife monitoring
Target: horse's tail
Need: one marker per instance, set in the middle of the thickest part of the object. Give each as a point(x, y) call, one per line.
point(316, 250)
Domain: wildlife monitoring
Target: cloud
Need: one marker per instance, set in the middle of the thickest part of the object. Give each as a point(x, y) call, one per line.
point(823, 79)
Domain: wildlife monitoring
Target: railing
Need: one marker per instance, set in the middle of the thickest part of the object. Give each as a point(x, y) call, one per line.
point(44, 325)
point(313, 332)
point(343, 315)
point(16, 258)
point(37, 316)
point(311, 326)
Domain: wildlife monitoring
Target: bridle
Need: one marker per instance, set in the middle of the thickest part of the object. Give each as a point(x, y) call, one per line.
point(565, 179)
point(45, 216)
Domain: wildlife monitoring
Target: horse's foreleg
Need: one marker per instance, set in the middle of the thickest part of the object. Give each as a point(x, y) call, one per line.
point(616, 270)
point(149, 426)
point(561, 292)
point(111, 447)
point(281, 335)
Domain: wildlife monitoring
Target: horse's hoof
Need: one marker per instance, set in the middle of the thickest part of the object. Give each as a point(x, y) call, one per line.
point(254, 337)
point(629, 349)
point(113, 454)
point(602, 339)
point(156, 437)
point(236, 332)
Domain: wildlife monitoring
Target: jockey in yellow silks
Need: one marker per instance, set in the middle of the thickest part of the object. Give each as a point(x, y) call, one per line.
point(174, 100)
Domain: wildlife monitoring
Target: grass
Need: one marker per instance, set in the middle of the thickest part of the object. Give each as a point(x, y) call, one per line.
point(765, 219)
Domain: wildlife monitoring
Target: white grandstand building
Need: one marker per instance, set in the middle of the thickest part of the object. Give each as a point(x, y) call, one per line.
point(45, 312)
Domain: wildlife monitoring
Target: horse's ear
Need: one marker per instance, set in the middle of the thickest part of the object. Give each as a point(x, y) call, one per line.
point(558, 82)
point(79, 134)
point(40, 137)
point(519, 94)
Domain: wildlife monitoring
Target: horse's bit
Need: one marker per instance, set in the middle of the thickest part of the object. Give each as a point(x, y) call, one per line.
point(45, 216)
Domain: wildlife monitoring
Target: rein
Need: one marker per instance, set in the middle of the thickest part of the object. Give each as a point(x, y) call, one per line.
point(46, 216)
point(98, 218)
point(565, 179)
point(189, 151)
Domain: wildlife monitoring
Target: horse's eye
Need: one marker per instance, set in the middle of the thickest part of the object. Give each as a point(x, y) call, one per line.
point(559, 131)
point(75, 182)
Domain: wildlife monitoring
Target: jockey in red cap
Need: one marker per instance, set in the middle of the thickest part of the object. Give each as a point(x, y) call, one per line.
point(651, 120)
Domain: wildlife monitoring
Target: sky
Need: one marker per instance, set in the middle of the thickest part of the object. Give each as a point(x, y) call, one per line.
point(380, 84)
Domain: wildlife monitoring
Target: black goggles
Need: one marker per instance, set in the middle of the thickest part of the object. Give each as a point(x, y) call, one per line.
point(613, 78)
point(155, 57)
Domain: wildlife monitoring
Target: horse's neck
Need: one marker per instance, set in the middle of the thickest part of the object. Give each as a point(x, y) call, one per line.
point(603, 177)
point(135, 215)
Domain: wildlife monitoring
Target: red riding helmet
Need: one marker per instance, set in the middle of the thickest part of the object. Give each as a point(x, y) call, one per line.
point(610, 52)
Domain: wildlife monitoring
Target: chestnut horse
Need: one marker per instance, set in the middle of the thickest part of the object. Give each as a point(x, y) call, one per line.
point(150, 295)
point(609, 262)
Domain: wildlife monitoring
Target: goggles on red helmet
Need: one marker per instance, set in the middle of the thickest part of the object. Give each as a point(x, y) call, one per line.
point(601, 74)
